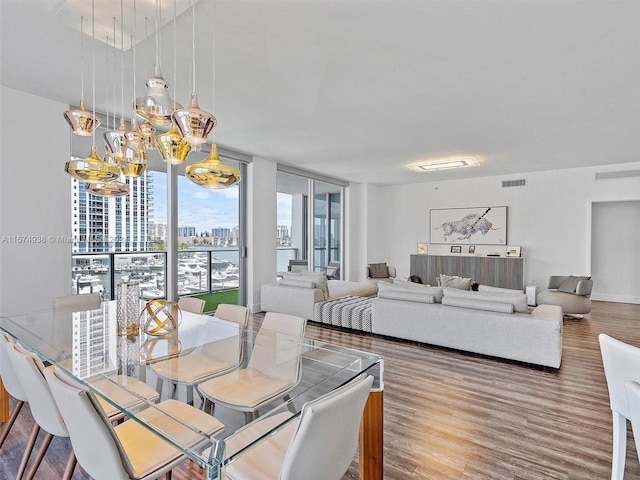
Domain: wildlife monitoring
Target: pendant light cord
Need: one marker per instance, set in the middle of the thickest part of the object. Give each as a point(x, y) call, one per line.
point(213, 68)
point(175, 88)
point(193, 46)
point(122, 61)
point(81, 59)
point(157, 34)
point(93, 68)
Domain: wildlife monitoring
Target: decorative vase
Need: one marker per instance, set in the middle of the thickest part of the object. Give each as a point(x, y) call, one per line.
point(128, 304)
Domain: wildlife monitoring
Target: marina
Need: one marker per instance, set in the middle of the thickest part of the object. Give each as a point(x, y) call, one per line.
point(198, 272)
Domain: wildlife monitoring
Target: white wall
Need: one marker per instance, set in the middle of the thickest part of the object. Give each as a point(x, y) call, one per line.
point(261, 228)
point(549, 217)
point(34, 202)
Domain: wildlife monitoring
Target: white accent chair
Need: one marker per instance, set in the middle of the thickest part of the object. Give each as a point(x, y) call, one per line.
point(128, 450)
point(191, 304)
point(273, 370)
point(74, 303)
point(319, 445)
point(11, 384)
point(621, 364)
point(208, 361)
point(46, 415)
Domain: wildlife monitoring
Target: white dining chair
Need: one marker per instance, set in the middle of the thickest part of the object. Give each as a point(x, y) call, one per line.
point(74, 303)
point(207, 361)
point(273, 370)
point(46, 415)
point(633, 398)
point(318, 445)
point(621, 363)
point(191, 304)
point(129, 450)
point(11, 384)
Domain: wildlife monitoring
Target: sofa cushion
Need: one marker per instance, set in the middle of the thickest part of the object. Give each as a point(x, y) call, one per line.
point(477, 304)
point(455, 282)
point(490, 289)
point(519, 301)
point(420, 288)
point(378, 270)
point(570, 283)
point(343, 288)
point(285, 282)
point(406, 295)
point(320, 279)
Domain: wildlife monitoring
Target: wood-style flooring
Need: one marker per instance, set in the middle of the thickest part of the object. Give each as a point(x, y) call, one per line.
point(454, 415)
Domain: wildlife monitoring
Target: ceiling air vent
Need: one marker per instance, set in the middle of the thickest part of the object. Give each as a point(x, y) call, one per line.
point(514, 183)
point(617, 174)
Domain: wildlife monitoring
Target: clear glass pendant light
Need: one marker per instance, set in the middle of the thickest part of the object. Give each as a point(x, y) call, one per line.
point(81, 121)
point(193, 123)
point(114, 139)
point(156, 106)
point(170, 145)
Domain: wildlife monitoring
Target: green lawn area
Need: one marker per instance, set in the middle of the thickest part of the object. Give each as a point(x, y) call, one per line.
point(214, 299)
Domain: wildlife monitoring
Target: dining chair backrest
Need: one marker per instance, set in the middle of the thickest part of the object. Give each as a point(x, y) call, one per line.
point(277, 346)
point(74, 303)
point(10, 380)
point(191, 304)
point(326, 439)
point(30, 371)
point(94, 441)
point(230, 348)
point(621, 363)
point(233, 313)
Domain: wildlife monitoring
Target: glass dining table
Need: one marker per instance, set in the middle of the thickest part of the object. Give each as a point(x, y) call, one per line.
point(86, 345)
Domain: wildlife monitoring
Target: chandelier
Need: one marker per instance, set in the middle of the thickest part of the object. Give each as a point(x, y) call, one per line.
point(179, 130)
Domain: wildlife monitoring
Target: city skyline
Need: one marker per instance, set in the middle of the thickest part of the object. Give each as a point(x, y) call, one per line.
point(206, 209)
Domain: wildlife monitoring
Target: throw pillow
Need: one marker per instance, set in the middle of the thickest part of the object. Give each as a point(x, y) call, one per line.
point(416, 287)
point(379, 270)
point(455, 282)
point(320, 279)
point(570, 284)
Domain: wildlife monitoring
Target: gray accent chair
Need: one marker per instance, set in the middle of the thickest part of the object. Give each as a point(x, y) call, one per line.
point(375, 273)
point(571, 293)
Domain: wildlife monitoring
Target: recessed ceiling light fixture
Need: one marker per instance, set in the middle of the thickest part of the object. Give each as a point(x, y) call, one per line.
point(444, 164)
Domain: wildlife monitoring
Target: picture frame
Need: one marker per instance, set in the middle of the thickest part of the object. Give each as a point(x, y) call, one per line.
point(478, 225)
point(422, 248)
point(514, 251)
point(456, 249)
point(472, 249)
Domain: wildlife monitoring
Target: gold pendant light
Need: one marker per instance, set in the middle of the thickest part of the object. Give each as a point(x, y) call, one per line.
point(111, 189)
point(81, 121)
point(213, 172)
point(171, 146)
point(92, 169)
point(148, 134)
point(134, 161)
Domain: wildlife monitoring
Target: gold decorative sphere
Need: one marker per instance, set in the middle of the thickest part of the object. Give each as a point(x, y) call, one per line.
point(160, 317)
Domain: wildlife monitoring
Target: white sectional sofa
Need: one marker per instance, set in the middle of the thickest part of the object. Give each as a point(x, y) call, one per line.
point(297, 294)
point(485, 322)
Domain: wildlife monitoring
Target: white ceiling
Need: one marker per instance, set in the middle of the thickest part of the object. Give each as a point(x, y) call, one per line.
point(359, 89)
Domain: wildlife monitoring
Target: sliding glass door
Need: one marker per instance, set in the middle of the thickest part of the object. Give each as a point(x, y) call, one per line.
point(310, 222)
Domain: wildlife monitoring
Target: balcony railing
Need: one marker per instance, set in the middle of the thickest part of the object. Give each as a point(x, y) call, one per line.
point(199, 271)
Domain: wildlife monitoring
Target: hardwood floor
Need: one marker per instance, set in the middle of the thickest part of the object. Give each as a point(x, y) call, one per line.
point(453, 415)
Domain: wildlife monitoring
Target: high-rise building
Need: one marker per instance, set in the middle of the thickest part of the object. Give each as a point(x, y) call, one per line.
point(101, 224)
point(186, 231)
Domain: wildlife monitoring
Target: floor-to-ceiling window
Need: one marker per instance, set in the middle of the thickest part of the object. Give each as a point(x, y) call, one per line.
point(310, 220)
point(208, 229)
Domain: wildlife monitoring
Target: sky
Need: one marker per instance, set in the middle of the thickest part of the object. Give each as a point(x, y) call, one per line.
point(206, 209)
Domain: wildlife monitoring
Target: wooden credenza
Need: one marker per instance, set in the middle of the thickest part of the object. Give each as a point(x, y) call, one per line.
point(504, 272)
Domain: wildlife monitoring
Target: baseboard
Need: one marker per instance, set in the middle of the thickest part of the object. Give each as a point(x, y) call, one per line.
point(607, 297)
